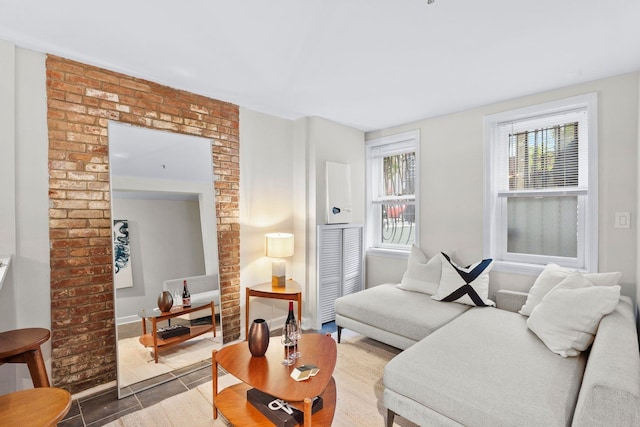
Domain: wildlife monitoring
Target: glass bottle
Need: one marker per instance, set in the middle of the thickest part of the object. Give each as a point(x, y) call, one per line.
point(186, 296)
point(290, 317)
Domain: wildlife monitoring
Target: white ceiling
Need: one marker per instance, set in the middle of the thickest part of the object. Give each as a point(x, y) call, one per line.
point(369, 64)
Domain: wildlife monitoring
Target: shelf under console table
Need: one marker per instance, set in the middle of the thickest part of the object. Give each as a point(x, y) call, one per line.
point(155, 315)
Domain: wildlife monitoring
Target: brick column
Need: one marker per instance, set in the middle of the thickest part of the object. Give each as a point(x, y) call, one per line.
point(82, 99)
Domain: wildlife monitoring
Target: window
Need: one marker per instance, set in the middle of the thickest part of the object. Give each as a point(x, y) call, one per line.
point(392, 181)
point(541, 185)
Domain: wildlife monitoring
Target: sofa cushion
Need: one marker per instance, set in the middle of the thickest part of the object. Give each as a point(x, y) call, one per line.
point(466, 285)
point(390, 308)
point(487, 368)
point(554, 274)
point(567, 318)
point(422, 274)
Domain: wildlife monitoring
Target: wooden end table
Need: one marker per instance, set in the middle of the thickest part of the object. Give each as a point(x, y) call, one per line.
point(267, 374)
point(23, 346)
point(155, 315)
point(292, 291)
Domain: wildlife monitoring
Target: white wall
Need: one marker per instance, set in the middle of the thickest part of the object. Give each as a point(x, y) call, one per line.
point(337, 143)
point(24, 226)
point(329, 141)
point(8, 147)
point(166, 243)
point(384, 269)
point(451, 187)
point(266, 204)
point(304, 208)
point(282, 189)
point(8, 319)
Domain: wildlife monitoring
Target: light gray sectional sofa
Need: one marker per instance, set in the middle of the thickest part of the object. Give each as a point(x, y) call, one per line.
point(483, 366)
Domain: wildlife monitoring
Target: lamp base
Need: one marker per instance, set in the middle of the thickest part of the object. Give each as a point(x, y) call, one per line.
point(278, 273)
point(278, 281)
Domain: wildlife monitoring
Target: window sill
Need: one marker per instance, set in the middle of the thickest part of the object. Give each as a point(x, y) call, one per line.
point(389, 253)
point(530, 269)
point(518, 267)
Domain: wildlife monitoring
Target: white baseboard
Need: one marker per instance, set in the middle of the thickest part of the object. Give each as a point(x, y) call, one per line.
point(94, 390)
point(127, 319)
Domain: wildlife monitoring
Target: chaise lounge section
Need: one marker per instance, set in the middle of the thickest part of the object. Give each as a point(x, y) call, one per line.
point(394, 316)
point(480, 366)
point(487, 368)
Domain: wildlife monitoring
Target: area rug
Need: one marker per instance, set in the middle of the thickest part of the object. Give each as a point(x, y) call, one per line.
point(358, 376)
point(136, 362)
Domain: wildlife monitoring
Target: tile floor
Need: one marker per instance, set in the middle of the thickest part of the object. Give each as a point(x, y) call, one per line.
point(102, 408)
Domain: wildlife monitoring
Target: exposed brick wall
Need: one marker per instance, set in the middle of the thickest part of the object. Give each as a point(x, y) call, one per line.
point(82, 99)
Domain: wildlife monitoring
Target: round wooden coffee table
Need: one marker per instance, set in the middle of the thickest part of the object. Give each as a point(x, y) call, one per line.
point(44, 406)
point(268, 375)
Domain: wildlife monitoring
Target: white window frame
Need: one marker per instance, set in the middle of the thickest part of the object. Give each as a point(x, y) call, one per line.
point(495, 218)
point(411, 141)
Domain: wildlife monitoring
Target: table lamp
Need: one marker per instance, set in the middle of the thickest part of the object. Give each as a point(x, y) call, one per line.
point(278, 246)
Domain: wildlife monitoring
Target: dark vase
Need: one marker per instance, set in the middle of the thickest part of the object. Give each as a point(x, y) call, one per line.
point(165, 301)
point(258, 338)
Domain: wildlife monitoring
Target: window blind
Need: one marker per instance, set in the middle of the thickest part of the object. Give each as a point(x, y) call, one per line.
point(547, 155)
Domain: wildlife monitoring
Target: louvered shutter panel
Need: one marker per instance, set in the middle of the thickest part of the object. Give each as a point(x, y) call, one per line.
point(339, 266)
point(329, 271)
point(352, 260)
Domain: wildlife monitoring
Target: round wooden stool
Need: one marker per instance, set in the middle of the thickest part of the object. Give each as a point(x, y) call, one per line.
point(23, 346)
point(44, 406)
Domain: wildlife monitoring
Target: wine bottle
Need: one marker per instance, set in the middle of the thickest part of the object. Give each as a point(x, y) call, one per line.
point(186, 296)
point(295, 332)
point(290, 317)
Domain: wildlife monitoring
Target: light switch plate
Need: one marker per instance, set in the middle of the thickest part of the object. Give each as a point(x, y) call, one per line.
point(623, 220)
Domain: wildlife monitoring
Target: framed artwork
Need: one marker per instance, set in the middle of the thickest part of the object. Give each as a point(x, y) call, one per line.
point(122, 275)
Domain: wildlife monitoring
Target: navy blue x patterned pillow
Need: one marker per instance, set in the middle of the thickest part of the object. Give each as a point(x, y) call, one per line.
point(465, 285)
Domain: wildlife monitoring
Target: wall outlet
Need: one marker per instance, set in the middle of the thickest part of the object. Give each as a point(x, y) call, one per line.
point(622, 220)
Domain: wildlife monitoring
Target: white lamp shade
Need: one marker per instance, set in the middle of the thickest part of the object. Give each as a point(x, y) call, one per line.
point(279, 245)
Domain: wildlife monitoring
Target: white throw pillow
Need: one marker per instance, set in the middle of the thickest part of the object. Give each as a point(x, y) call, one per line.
point(466, 285)
point(553, 274)
point(567, 318)
point(422, 274)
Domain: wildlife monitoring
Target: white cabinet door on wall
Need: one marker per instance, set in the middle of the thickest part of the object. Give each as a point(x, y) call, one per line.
point(340, 265)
